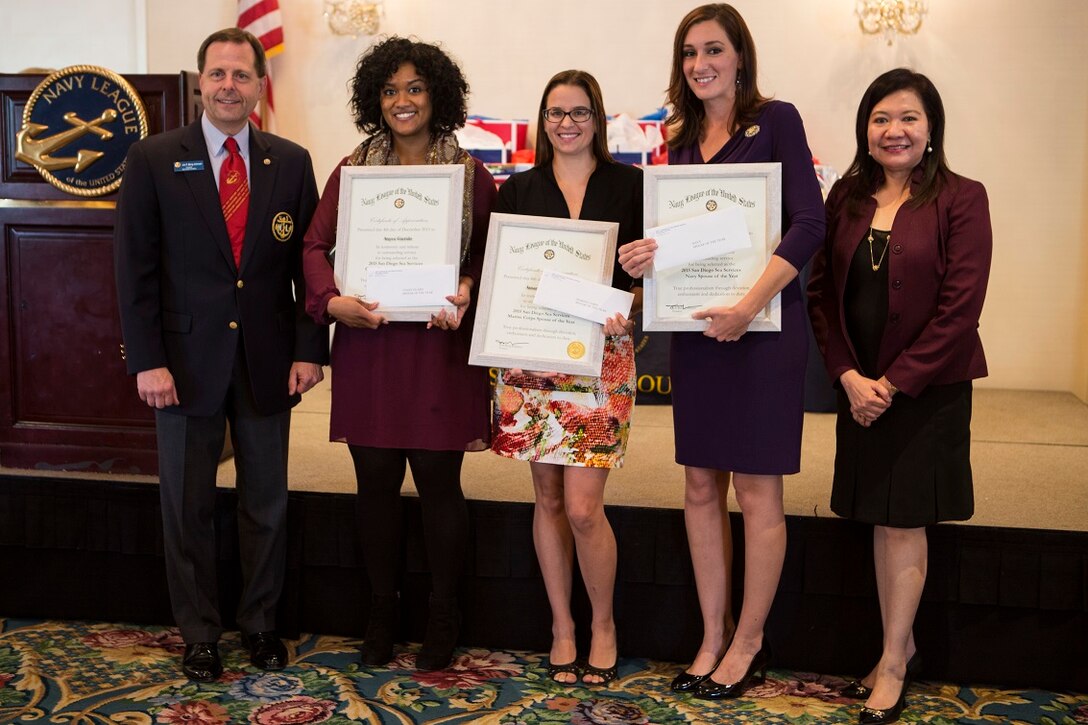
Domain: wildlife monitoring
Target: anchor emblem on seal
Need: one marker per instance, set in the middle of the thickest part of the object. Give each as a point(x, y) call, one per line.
point(35, 151)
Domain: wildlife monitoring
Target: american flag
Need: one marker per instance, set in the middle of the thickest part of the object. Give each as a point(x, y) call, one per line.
point(262, 18)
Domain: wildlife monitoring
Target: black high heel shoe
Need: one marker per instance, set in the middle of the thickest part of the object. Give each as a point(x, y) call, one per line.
point(873, 716)
point(857, 691)
point(687, 682)
point(710, 689)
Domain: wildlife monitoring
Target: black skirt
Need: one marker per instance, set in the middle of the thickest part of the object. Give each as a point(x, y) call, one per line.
point(912, 466)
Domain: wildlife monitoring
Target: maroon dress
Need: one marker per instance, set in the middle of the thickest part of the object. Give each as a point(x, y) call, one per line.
point(402, 385)
point(739, 406)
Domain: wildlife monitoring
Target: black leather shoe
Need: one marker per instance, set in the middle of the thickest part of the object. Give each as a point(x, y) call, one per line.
point(914, 666)
point(872, 716)
point(711, 689)
point(443, 623)
point(381, 630)
point(857, 691)
point(687, 682)
point(201, 662)
point(266, 651)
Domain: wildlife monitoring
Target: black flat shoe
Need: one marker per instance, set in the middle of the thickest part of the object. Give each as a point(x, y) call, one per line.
point(381, 630)
point(266, 651)
point(201, 662)
point(711, 689)
point(570, 668)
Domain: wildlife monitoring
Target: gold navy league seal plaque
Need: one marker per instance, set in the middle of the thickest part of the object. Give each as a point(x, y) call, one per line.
point(77, 128)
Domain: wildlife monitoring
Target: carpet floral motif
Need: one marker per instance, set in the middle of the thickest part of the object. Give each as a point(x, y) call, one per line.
point(98, 674)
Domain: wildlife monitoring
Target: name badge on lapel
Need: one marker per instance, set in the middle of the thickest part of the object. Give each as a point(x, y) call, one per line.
point(181, 167)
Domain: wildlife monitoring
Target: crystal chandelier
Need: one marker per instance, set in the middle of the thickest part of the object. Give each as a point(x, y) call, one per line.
point(353, 17)
point(890, 17)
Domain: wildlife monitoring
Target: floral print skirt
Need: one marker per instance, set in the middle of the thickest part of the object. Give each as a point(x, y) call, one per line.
point(568, 420)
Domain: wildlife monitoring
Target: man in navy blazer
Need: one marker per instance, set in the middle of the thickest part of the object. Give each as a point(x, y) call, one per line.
point(211, 339)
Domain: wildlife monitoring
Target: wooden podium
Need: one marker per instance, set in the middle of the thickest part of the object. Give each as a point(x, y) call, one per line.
point(66, 402)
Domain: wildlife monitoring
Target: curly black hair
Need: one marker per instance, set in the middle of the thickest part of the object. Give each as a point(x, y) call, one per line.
point(446, 84)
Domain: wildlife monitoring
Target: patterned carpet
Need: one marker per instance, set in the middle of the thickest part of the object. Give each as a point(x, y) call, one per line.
point(93, 674)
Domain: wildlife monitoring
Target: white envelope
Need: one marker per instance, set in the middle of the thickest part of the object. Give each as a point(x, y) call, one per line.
point(702, 237)
point(581, 298)
point(425, 285)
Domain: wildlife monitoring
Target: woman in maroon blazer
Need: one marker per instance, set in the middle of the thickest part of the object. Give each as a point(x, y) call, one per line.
point(895, 299)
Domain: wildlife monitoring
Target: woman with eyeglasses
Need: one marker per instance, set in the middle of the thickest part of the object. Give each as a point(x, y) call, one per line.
point(738, 397)
point(573, 429)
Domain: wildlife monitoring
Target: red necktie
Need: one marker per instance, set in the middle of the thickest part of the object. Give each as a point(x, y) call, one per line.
point(234, 197)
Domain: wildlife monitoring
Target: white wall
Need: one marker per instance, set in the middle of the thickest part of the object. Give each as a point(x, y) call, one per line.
point(1014, 77)
point(57, 33)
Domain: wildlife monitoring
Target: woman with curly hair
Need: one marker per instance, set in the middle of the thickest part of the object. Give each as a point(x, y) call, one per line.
point(573, 429)
point(404, 392)
point(738, 397)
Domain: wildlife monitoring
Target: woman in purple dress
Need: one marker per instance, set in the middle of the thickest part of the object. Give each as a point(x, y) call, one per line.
point(737, 397)
point(404, 393)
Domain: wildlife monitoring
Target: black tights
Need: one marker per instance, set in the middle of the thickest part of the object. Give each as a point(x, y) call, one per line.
point(379, 473)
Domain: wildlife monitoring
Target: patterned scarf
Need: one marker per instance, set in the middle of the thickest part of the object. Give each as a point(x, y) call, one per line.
point(378, 151)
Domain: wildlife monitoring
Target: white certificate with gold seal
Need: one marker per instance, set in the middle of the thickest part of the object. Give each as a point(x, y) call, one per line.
point(398, 216)
point(511, 330)
point(675, 193)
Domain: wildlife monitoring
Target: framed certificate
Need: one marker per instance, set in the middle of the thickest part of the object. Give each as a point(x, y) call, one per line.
point(675, 193)
point(398, 216)
point(511, 329)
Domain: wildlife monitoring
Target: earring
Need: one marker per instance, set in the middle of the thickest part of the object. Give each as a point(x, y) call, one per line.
point(738, 78)
point(929, 146)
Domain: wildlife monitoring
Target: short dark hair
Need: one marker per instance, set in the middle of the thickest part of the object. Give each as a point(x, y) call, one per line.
point(234, 35)
point(687, 110)
point(865, 173)
point(585, 81)
point(446, 85)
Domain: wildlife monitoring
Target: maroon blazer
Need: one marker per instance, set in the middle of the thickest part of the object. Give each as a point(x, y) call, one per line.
point(938, 267)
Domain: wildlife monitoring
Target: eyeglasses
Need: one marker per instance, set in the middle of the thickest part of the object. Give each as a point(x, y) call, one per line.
point(578, 115)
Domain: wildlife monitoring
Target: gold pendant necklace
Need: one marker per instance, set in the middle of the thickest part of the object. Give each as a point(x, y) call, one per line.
point(877, 262)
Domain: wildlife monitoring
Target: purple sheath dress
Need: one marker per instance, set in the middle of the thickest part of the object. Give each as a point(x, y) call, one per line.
point(739, 406)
